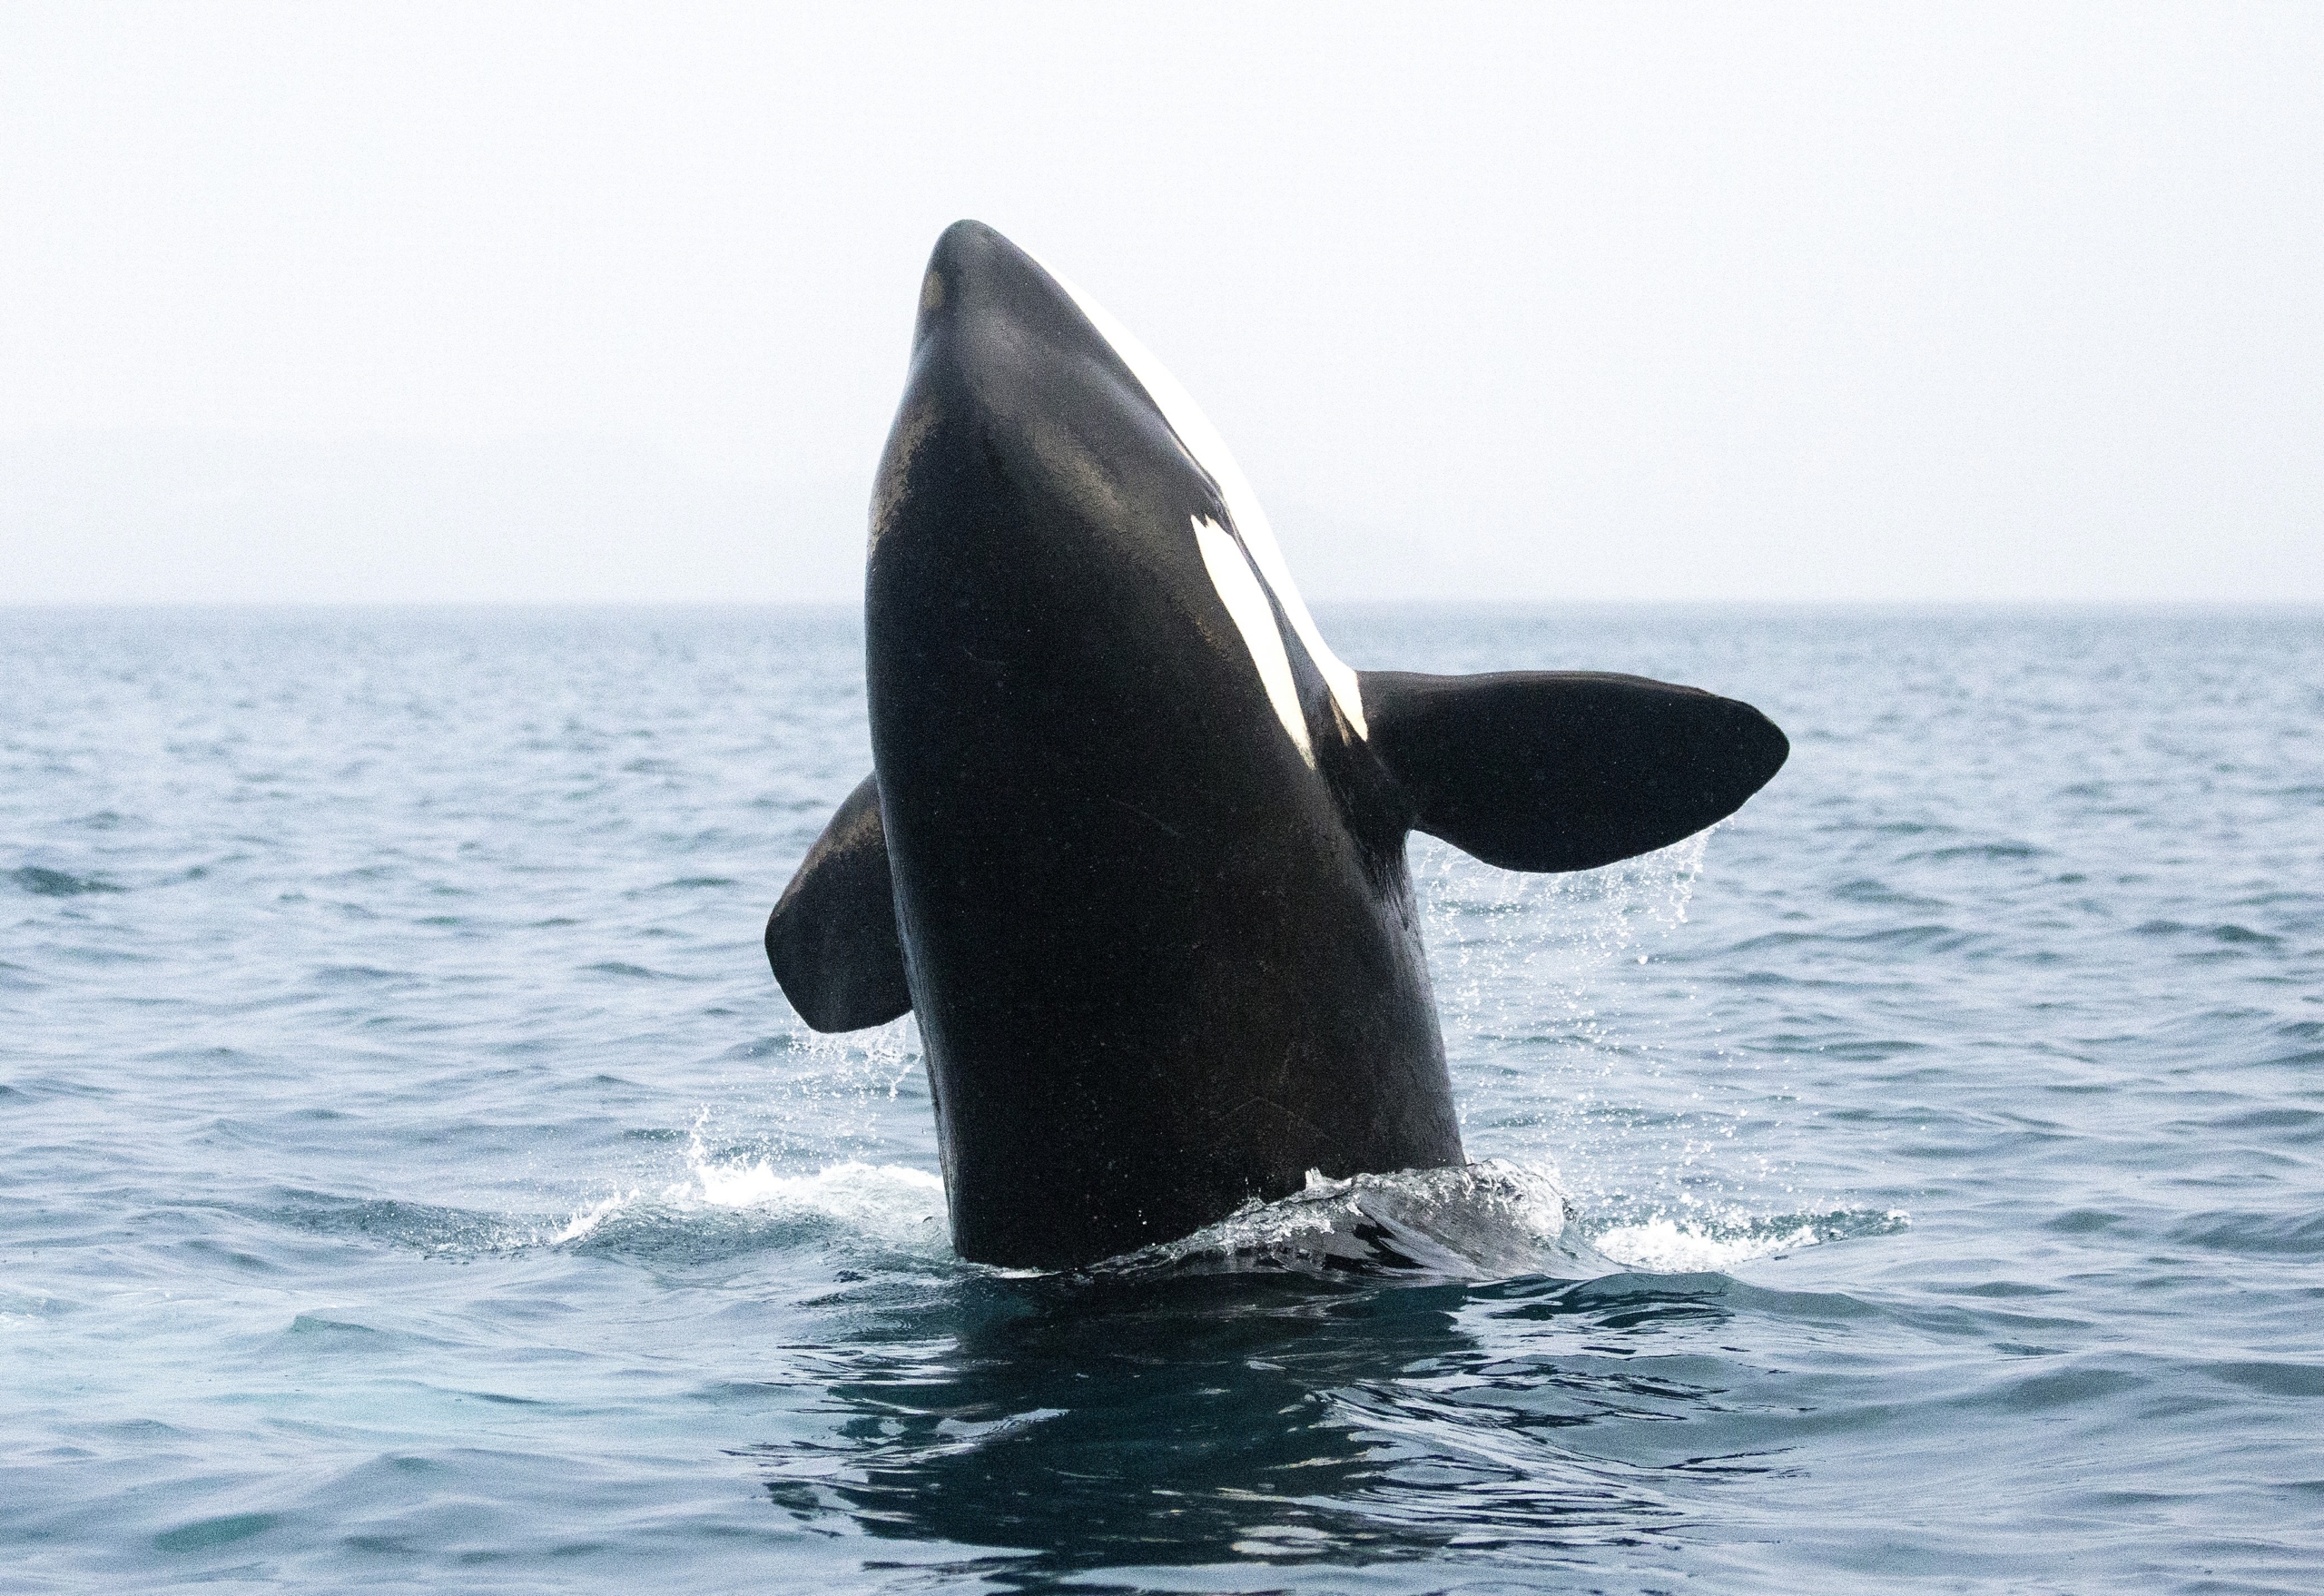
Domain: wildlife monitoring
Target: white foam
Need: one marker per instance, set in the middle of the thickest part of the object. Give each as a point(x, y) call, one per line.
point(1665, 1246)
point(1483, 1220)
point(1247, 605)
point(891, 1202)
point(852, 1190)
point(587, 1220)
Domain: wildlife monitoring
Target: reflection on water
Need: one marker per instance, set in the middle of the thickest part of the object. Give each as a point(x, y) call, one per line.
point(1174, 1419)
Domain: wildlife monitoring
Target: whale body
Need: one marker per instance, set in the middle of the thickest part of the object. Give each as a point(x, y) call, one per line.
point(1133, 845)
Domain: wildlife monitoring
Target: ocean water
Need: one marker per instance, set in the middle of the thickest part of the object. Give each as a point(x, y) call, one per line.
point(410, 1176)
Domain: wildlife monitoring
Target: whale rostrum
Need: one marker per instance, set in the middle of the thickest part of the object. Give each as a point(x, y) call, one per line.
point(1133, 845)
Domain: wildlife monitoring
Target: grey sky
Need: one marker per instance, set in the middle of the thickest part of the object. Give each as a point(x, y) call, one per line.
point(397, 302)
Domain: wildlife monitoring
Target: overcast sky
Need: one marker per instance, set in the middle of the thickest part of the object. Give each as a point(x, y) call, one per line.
point(387, 302)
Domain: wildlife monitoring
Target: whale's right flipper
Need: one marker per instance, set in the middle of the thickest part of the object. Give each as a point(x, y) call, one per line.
point(1565, 770)
point(833, 937)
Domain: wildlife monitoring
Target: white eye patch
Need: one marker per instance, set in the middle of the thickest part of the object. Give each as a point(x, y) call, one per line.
point(1246, 603)
point(1204, 445)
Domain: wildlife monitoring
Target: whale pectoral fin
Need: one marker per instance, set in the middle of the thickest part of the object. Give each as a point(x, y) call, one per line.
point(833, 937)
point(1565, 770)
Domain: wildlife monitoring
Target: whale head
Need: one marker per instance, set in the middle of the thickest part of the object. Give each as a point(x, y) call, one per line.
point(1098, 412)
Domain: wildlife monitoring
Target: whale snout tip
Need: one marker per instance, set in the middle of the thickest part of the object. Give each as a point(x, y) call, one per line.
point(966, 232)
point(966, 248)
point(970, 263)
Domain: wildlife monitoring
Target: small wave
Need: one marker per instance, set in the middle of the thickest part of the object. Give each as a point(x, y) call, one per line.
point(2297, 1234)
point(318, 1325)
point(1874, 890)
point(43, 882)
point(2228, 933)
point(1665, 1245)
point(426, 1228)
point(889, 1204)
point(1934, 936)
point(357, 975)
point(1995, 852)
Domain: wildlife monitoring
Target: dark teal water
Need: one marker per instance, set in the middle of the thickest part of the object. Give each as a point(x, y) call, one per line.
point(413, 1178)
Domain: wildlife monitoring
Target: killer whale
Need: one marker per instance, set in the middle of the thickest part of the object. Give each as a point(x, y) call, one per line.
point(1133, 844)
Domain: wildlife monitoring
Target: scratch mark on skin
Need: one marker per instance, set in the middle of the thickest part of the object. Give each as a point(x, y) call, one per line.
point(1289, 1116)
point(1149, 820)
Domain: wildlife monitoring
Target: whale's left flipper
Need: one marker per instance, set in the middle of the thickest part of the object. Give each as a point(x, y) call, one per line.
point(833, 937)
point(1566, 770)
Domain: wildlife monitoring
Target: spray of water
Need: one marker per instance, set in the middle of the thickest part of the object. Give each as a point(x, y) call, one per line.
point(1565, 1072)
point(1596, 1147)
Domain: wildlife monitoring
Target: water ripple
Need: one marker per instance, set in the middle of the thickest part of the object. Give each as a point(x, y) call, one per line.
point(414, 1179)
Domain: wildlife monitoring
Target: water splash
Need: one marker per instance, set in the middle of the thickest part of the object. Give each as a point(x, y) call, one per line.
point(1719, 1242)
point(835, 1095)
point(890, 1204)
point(807, 1142)
point(1487, 925)
point(1618, 1075)
point(1490, 1219)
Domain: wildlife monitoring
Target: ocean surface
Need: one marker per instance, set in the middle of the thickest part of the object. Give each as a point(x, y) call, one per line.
point(411, 1178)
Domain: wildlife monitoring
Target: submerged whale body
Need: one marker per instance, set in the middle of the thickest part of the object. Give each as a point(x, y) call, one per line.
point(1133, 846)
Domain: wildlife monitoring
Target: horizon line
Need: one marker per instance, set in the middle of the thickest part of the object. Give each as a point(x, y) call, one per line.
point(191, 606)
